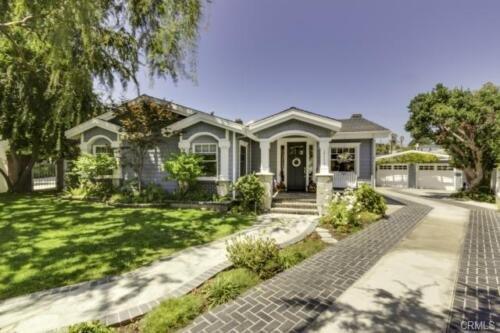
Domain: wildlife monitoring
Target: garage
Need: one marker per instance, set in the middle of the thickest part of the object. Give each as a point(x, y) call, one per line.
point(436, 176)
point(392, 175)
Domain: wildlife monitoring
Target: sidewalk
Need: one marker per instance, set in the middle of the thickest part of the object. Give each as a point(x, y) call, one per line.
point(115, 299)
point(411, 287)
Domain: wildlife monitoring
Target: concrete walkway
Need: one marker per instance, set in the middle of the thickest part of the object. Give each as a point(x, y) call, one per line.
point(119, 298)
point(411, 287)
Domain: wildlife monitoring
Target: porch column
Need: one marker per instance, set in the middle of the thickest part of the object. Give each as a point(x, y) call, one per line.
point(265, 175)
point(265, 147)
point(223, 183)
point(324, 179)
point(324, 155)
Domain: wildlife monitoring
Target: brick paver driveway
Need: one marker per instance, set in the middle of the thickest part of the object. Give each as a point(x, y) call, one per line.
point(294, 298)
point(476, 305)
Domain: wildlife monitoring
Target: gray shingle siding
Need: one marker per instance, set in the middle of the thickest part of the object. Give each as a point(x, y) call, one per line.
point(153, 164)
point(294, 124)
point(203, 127)
point(255, 156)
point(88, 135)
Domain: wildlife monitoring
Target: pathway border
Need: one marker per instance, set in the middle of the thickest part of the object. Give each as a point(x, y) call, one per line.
point(291, 300)
point(476, 301)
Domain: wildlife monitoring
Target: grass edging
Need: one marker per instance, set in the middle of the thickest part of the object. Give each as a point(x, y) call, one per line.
point(307, 247)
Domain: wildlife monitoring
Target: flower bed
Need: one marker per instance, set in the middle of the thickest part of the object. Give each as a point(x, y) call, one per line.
point(176, 313)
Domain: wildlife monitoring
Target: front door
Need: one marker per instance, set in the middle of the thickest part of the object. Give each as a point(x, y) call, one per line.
point(296, 166)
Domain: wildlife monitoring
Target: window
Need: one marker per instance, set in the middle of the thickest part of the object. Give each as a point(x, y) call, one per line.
point(208, 153)
point(102, 149)
point(385, 167)
point(426, 167)
point(243, 158)
point(401, 167)
point(343, 159)
point(444, 168)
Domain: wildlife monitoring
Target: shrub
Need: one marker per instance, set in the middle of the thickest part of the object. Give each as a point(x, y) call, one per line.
point(410, 158)
point(173, 314)
point(342, 210)
point(89, 168)
point(259, 255)
point(370, 200)
point(250, 191)
point(90, 327)
point(185, 169)
point(228, 285)
point(152, 193)
point(481, 194)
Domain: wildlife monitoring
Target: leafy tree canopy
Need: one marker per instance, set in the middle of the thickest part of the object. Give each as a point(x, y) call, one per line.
point(466, 123)
point(54, 53)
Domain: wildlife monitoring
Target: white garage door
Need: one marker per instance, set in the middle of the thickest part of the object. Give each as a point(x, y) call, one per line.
point(392, 175)
point(436, 177)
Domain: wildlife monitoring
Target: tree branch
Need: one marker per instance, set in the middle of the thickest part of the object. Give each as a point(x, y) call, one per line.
point(19, 22)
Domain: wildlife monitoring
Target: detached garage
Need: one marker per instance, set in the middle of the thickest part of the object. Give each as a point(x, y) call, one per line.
point(416, 169)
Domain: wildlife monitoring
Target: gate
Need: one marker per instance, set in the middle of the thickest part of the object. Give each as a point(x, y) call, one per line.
point(44, 176)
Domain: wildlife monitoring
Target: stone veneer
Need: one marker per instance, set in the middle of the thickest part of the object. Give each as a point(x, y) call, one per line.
point(324, 190)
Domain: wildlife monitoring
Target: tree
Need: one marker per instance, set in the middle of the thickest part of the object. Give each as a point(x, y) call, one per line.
point(185, 169)
point(142, 121)
point(52, 54)
point(393, 141)
point(466, 123)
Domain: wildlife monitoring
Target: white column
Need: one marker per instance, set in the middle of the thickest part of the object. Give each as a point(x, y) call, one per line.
point(324, 155)
point(265, 146)
point(224, 145)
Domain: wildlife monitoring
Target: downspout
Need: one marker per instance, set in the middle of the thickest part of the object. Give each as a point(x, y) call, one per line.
point(234, 164)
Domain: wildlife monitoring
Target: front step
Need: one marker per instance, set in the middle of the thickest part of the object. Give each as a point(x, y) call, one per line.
point(298, 211)
point(294, 204)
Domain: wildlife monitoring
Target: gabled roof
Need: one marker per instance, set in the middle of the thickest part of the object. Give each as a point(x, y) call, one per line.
point(209, 119)
point(360, 124)
point(94, 122)
point(298, 114)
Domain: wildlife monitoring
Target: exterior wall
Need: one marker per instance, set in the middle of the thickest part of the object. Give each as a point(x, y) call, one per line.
point(293, 124)
point(88, 135)
point(153, 164)
point(412, 175)
point(365, 156)
point(255, 153)
point(273, 159)
point(203, 127)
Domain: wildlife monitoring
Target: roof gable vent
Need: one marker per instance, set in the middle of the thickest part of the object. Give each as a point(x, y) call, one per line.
point(356, 116)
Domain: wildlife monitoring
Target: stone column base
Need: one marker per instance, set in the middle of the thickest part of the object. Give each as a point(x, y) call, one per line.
point(223, 187)
point(267, 181)
point(324, 191)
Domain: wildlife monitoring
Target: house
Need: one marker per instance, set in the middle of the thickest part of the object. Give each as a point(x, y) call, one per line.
point(418, 169)
point(291, 148)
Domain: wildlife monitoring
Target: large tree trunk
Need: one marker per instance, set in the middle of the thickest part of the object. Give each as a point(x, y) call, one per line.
point(60, 174)
point(20, 168)
point(5, 176)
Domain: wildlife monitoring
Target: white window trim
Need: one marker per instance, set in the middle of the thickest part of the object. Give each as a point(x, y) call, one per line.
point(209, 178)
point(99, 146)
point(355, 145)
point(243, 144)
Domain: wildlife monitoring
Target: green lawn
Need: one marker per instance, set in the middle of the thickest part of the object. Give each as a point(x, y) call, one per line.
point(47, 242)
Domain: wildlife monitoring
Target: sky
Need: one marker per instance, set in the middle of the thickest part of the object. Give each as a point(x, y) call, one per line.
point(258, 57)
